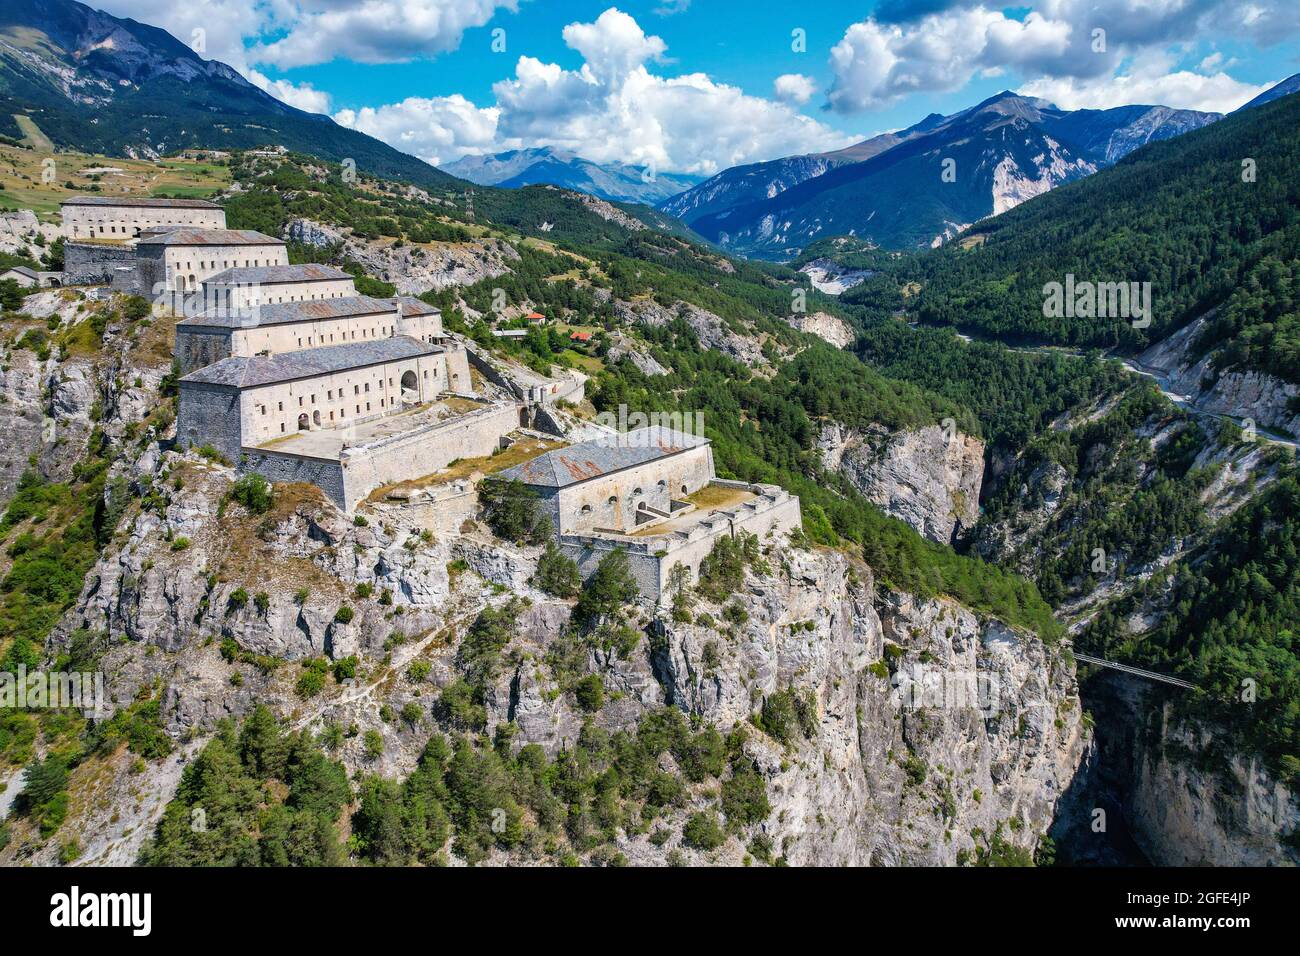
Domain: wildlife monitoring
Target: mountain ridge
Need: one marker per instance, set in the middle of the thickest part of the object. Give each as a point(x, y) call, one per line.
point(1003, 150)
point(548, 165)
point(109, 85)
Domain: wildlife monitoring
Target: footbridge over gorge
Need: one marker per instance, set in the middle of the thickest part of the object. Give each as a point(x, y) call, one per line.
point(1136, 671)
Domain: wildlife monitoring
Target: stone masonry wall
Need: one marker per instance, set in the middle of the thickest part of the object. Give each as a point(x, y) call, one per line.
point(209, 415)
point(424, 451)
point(92, 263)
point(651, 559)
point(326, 474)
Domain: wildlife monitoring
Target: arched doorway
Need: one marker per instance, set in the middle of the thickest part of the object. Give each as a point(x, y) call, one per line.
point(315, 418)
point(302, 422)
point(410, 387)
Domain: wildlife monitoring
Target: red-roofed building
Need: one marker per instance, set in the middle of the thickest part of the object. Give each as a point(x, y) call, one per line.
point(534, 317)
point(580, 337)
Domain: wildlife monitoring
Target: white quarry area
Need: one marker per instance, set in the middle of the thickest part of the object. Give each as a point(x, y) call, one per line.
point(830, 277)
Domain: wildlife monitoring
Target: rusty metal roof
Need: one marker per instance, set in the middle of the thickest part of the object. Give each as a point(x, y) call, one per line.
point(592, 459)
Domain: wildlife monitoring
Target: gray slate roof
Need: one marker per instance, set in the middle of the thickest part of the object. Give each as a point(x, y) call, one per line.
point(30, 273)
point(241, 372)
point(311, 272)
point(142, 201)
point(413, 306)
point(287, 313)
point(592, 459)
point(194, 236)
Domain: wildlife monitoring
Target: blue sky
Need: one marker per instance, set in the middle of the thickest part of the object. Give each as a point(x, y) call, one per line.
point(698, 85)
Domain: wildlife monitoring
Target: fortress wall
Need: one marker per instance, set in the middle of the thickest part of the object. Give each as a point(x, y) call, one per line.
point(93, 263)
point(209, 415)
point(423, 451)
point(188, 266)
point(127, 222)
point(324, 473)
point(659, 481)
point(651, 559)
point(194, 348)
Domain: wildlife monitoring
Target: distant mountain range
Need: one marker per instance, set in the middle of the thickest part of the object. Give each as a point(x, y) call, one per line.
point(617, 182)
point(101, 84)
point(924, 184)
point(1288, 86)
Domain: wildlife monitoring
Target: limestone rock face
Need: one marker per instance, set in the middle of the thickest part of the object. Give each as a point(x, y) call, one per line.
point(920, 476)
point(1188, 796)
point(896, 683)
point(412, 267)
point(826, 326)
point(1241, 393)
point(711, 329)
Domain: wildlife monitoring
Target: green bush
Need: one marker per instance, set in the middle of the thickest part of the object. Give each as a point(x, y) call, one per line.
point(702, 831)
point(590, 693)
point(557, 573)
point(253, 492)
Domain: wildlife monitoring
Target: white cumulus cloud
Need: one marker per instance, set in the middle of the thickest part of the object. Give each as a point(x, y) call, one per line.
point(301, 95)
point(794, 88)
point(876, 64)
point(437, 129)
point(613, 107)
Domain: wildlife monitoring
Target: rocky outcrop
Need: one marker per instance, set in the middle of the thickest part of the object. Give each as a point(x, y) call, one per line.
point(1238, 393)
point(825, 326)
point(926, 478)
point(713, 331)
point(413, 267)
point(624, 346)
point(934, 730)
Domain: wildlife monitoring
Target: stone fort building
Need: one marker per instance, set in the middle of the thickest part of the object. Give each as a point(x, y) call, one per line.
point(654, 494)
point(118, 218)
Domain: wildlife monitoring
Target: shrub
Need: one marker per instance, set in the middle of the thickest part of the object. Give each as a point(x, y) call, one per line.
point(253, 492)
point(312, 681)
point(360, 521)
point(608, 590)
point(557, 573)
point(345, 668)
point(786, 713)
point(590, 693)
point(237, 601)
point(343, 615)
point(418, 670)
point(373, 742)
point(412, 713)
point(363, 590)
point(702, 831)
point(262, 600)
point(511, 510)
point(180, 543)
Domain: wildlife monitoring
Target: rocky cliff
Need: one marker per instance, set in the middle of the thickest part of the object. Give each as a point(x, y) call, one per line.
point(1184, 793)
point(1238, 393)
point(934, 736)
point(926, 478)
